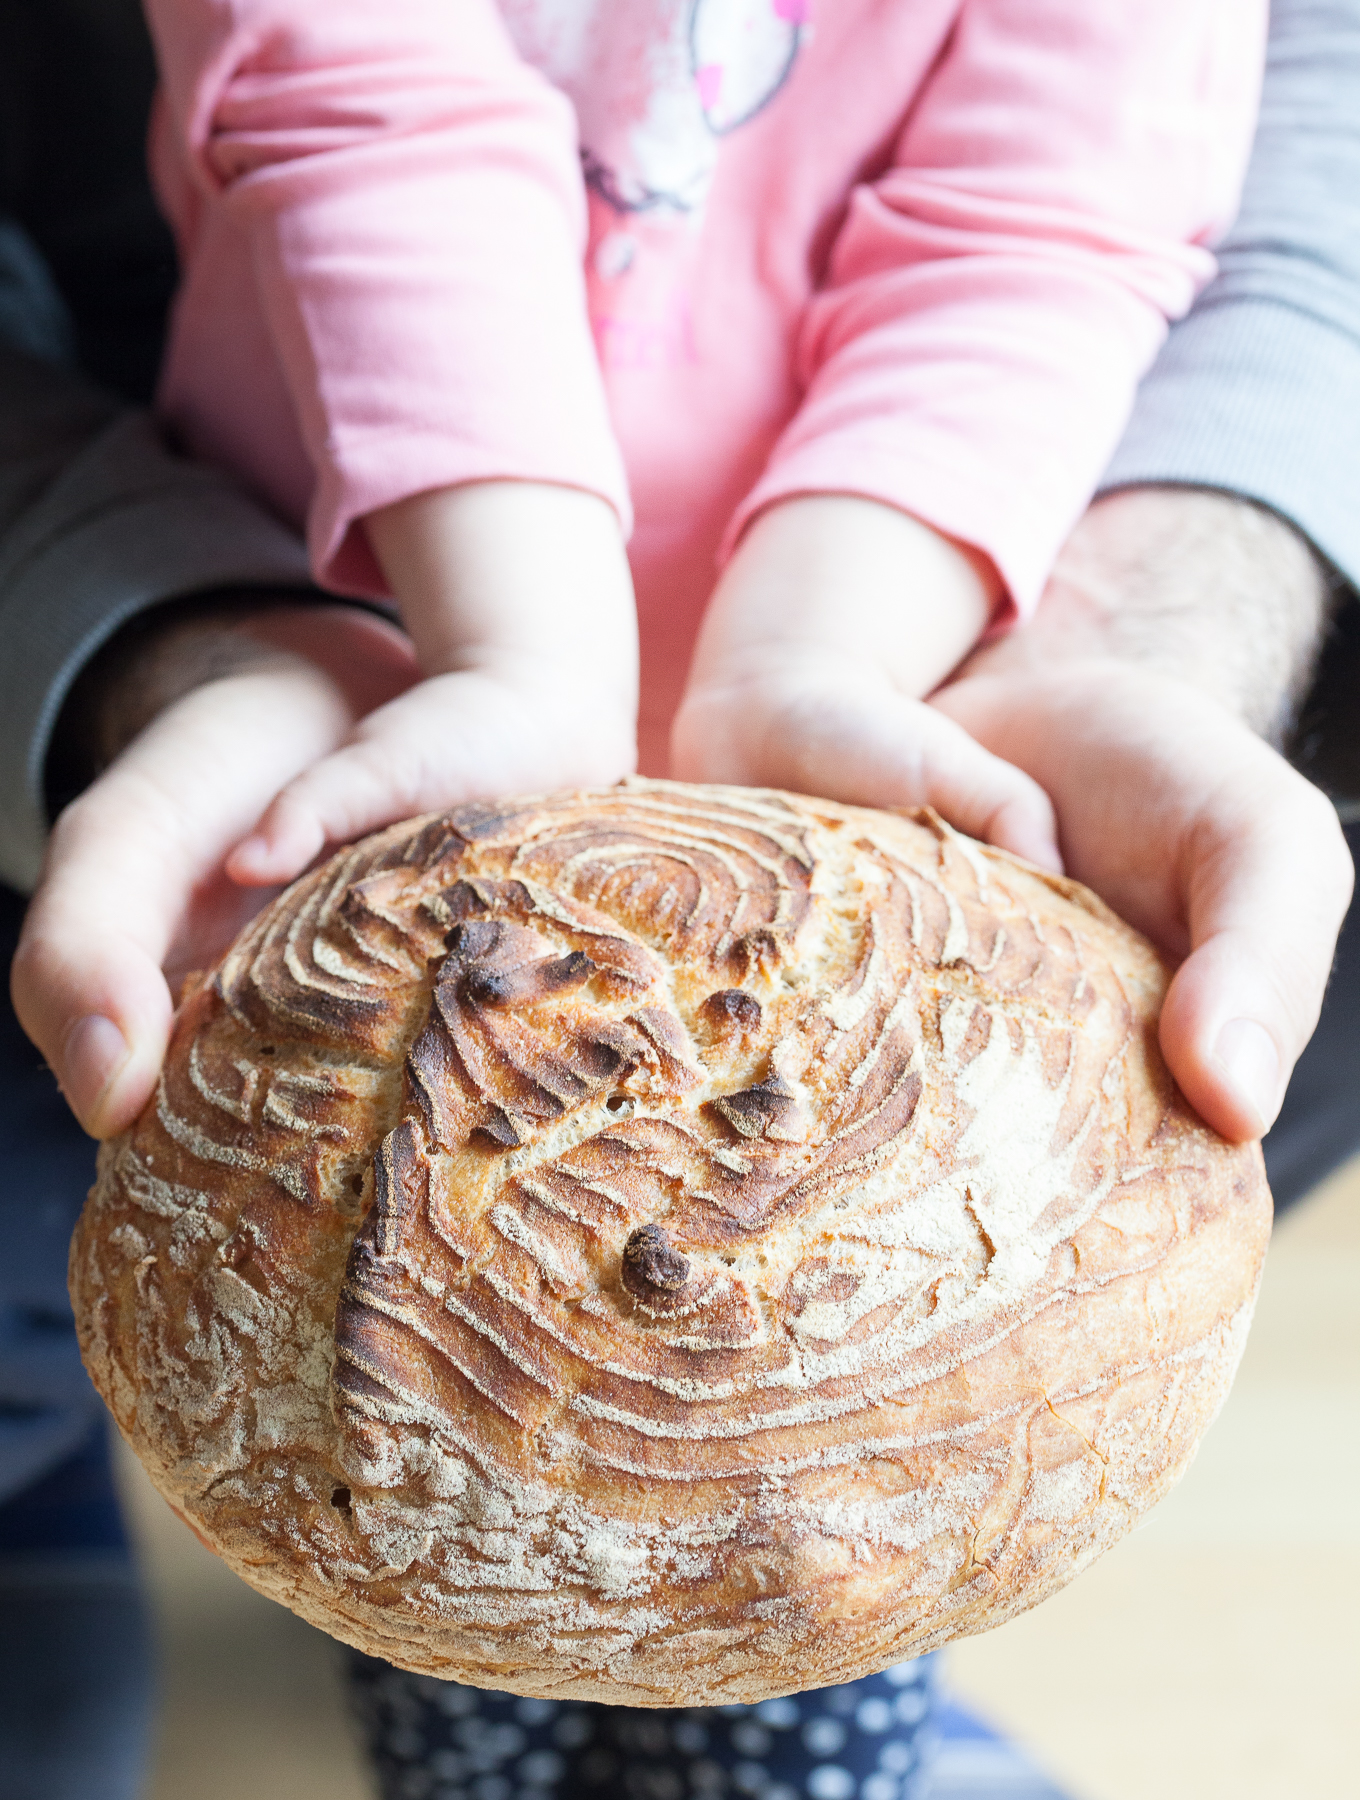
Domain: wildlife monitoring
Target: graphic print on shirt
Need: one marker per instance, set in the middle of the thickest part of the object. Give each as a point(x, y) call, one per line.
point(656, 84)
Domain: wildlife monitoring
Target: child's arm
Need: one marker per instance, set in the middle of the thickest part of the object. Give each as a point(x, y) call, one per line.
point(409, 195)
point(968, 361)
point(411, 199)
point(992, 299)
point(832, 619)
point(519, 601)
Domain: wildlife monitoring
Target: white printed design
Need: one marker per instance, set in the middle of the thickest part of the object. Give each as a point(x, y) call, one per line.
point(656, 83)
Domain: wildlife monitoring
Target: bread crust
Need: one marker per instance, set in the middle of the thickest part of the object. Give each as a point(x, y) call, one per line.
point(668, 1245)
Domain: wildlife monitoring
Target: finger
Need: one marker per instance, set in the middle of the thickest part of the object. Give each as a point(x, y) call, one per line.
point(125, 864)
point(456, 737)
point(874, 748)
point(100, 1013)
point(890, 751)
point(1270, 883)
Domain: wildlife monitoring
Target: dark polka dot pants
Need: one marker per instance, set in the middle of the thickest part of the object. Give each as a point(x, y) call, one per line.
point(435, 1740)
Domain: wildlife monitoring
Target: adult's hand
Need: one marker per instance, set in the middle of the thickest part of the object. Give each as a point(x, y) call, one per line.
point(205, 720)
point(1169, 805)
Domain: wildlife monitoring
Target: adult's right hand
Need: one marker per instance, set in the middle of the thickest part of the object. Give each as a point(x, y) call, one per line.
point(1203, 837)
point(1177, 621)
point(221, 714)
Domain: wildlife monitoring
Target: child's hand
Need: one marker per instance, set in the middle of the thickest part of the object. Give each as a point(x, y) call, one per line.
point(832, 622)
point(519, 600)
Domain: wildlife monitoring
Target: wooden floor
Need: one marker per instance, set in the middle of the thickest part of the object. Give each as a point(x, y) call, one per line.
point(1215, 1653)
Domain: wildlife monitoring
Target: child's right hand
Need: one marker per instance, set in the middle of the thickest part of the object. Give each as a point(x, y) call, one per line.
point(257, 741)
point(519, 601)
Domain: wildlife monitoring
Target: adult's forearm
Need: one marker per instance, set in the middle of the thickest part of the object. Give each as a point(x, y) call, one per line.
point(1206, 587)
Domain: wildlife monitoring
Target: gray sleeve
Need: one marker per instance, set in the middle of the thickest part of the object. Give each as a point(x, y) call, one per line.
point(99, 520)
point(1258, 390)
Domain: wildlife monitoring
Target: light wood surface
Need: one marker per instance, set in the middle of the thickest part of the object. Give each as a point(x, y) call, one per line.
point(1213, 1653)
point(251, 1704)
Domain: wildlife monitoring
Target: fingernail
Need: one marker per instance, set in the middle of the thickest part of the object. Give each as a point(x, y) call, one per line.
point(1247, 1055)
point(95, 1052)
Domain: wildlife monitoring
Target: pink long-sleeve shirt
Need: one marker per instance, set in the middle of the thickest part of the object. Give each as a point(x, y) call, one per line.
point(696, 256)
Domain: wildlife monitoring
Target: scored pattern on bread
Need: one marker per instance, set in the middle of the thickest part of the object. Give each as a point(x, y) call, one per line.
point(668, 1245)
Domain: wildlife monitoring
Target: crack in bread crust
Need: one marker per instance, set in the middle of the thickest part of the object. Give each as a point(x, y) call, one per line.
point(668, 1245)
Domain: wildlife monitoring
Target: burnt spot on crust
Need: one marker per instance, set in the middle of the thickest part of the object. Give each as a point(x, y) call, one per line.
point(652, 1264)
point(477, 910)
point(479, 819)
point(471, 939)
point(501, 1130)
point(759, 951)
point(438, 841)
point(770, 1109)
point(731, 1009)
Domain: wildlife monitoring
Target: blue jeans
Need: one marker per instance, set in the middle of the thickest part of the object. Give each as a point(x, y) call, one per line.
point(76, 1666)
point(75, 1647)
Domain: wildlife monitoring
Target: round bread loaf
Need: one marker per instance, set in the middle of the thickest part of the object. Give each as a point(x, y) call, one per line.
point(668, 1245)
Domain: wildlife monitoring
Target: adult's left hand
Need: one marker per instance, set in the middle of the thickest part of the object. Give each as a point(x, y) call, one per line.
point(1197, 832)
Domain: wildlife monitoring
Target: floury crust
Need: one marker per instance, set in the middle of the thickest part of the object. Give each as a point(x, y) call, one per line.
point(668, 1245)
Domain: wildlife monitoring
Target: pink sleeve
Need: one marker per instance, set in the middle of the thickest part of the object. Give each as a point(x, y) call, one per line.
point(992, 300)
point(416, 217)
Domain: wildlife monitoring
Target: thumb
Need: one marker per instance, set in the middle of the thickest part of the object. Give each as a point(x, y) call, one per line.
point(133, 864)
point(97, 1006)
point(1268, 889)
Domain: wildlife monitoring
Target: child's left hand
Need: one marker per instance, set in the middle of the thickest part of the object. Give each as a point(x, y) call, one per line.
point(830, 625)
